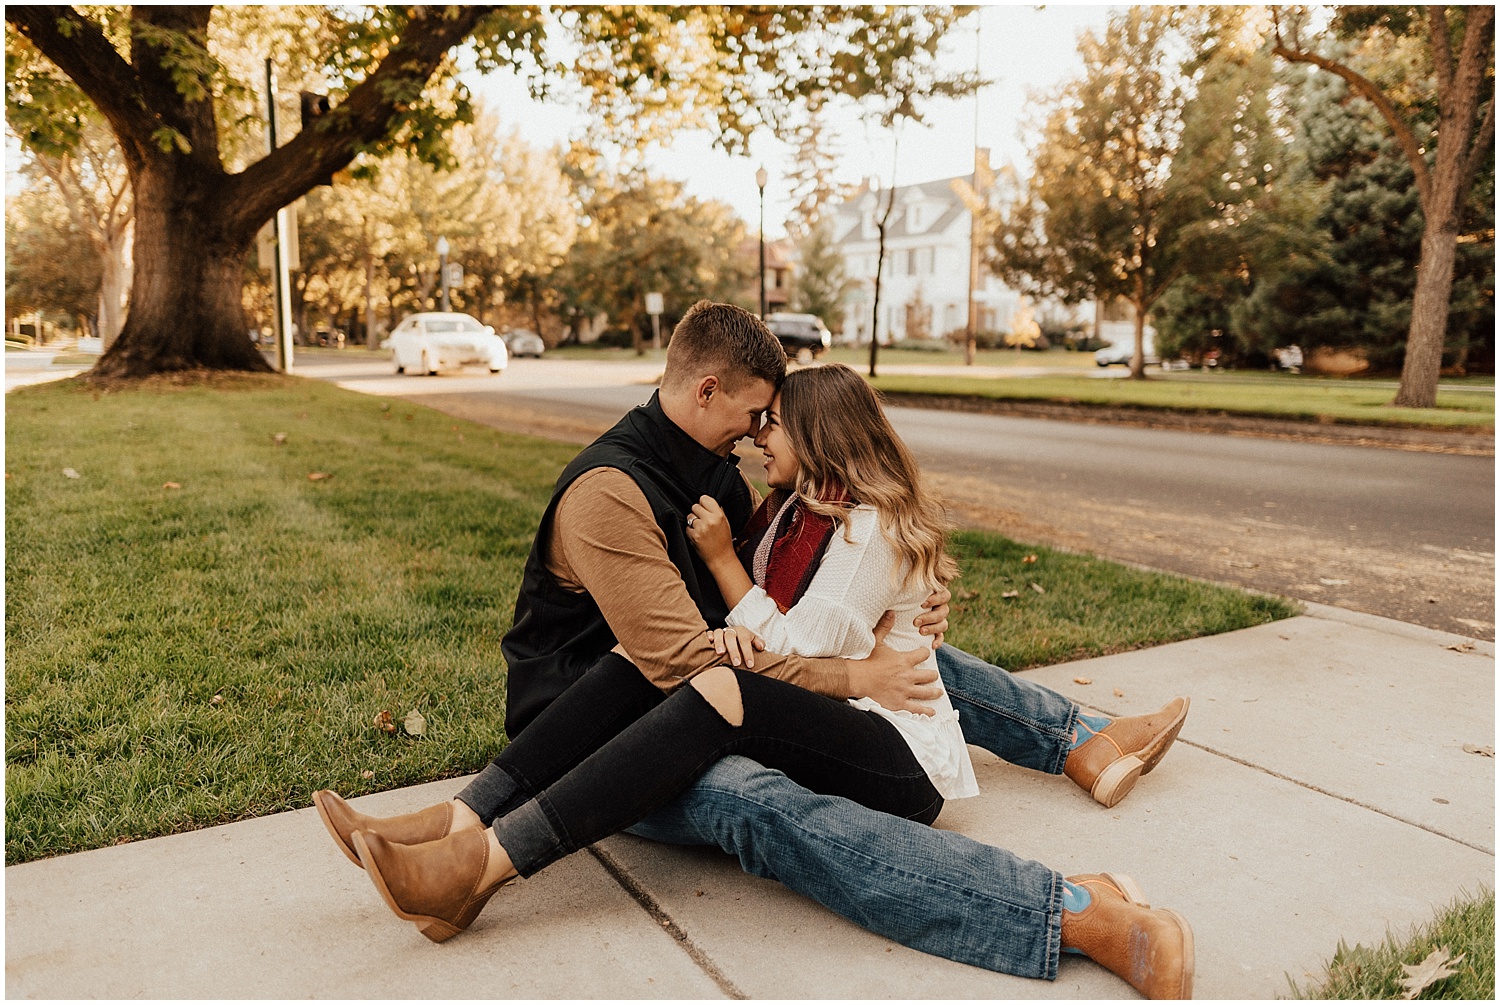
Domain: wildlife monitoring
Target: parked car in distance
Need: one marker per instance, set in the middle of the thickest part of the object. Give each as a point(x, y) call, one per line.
point(438, 340)
point(521, 342)
point(801, 335)
point(1121, 351)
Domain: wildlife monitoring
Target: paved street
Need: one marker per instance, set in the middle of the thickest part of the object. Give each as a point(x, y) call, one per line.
point(1402, 534)
point(35, 367)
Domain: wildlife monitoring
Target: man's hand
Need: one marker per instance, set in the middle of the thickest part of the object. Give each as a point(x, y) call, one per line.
point(934, 619)
point(891, 677)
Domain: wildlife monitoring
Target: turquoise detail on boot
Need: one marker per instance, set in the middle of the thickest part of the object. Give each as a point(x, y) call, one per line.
point(1086, 727)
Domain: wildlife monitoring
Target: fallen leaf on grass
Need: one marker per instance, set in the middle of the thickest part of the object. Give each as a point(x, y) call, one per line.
point(70, 473)
point(170, 485)
point(386, 407)
point(367, 773)
point(1029, 560)
point(1037, 588)
point(965, 595)
point(1431, 970)
point(414, 723)
point(279, 439)
point(217, 699)
point(1119, 693)
point(384, 721)
point(1083, 680)
point(1474, 748)
point(318, 476)
point(1010, 594)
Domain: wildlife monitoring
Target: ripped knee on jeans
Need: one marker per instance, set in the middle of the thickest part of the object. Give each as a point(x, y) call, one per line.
point(720, 689)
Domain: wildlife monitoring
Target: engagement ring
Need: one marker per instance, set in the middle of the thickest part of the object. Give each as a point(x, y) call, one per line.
point(689, 521)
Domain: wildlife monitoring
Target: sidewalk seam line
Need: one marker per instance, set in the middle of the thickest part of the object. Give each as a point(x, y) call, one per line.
point(653, 908)
point(1335, 795)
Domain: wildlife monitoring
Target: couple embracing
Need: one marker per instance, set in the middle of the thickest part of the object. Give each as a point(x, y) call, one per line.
point(699, 667)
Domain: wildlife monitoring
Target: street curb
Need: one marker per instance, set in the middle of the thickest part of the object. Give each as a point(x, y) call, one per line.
point(1476, 444)
point(1404, 629)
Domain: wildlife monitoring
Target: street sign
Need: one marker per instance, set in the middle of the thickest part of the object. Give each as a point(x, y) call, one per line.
point(454, 276)
point(653, 304)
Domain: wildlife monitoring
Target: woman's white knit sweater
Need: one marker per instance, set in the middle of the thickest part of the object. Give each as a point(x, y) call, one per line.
point(860, 578)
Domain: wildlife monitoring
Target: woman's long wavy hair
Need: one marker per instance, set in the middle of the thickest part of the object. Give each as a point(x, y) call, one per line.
point(849, 454)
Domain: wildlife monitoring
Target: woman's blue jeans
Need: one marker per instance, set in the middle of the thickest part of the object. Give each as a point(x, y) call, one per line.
point(933, 890)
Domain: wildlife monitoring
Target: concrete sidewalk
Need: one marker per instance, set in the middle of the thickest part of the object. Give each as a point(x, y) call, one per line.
point(1320, 790)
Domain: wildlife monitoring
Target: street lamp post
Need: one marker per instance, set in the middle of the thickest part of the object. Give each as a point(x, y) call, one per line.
point(442, 250)
point(760, 183)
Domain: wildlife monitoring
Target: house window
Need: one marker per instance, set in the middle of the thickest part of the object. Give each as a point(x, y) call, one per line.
point(924, 261)
point(911, 261)
point(914, 218)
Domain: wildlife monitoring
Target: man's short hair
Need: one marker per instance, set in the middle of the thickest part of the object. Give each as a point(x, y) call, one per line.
point(726, 341)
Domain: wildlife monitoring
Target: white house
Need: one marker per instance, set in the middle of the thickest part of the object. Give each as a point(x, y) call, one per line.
point(924, 290)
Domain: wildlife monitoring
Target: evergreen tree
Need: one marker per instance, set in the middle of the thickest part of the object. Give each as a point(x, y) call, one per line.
point(1354, 285)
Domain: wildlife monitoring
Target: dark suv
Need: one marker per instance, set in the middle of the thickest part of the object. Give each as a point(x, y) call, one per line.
point(800, 333)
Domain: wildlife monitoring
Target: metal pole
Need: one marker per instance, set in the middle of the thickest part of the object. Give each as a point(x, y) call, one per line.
point(656, 331)
point(762, 250)
point(281, 267)
point(443, 278)
point(973, 327)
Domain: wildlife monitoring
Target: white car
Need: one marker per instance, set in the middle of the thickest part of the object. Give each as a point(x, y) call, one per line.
point(439, 340)
point(521, 342)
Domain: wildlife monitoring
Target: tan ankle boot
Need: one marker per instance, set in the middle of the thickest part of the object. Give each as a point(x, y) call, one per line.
point(1151, 949)
point(342, 820)
point(1110, 762)
point(433, 885)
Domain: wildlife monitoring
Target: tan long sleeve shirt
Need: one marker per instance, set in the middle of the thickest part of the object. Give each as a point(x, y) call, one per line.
point(605, 541)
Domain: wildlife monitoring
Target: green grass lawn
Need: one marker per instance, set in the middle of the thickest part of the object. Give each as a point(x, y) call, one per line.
point(1465, 928)
point(1288, 396)
point(181, 657)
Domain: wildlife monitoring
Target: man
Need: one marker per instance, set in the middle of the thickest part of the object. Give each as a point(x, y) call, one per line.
point(613, 576)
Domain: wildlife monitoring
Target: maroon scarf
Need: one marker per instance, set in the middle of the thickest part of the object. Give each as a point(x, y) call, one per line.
point(795, 552)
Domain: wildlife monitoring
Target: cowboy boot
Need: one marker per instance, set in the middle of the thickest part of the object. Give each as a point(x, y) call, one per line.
point(1151, 949)
point(342, 820)
point(435, 885)
point(1108, 764)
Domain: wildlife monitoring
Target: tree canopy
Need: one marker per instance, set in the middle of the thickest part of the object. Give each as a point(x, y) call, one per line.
point(177, 92)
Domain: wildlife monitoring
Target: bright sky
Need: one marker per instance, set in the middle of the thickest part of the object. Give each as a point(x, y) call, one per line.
point(1021, 49)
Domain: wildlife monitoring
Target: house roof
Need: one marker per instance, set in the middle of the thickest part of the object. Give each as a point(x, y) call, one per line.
point(940, 190)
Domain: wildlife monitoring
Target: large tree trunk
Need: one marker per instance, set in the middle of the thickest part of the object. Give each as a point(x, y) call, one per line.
point(186, 311)
point(1429, 316)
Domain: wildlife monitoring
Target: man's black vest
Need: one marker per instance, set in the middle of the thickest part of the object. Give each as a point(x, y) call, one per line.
point(558, 634)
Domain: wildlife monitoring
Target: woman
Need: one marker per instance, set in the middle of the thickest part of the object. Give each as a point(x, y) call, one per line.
point(847, 534)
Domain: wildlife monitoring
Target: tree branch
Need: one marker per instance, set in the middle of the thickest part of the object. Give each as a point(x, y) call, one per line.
point(80, 50)
point(1371, 91)
point(1442, 48)
point(1481, 145)
point(364, 116)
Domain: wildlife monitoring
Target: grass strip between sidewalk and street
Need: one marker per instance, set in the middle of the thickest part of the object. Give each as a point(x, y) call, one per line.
point(1466, 928)
point(203, 624)
point(1290, 397)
